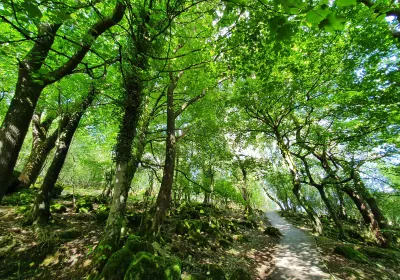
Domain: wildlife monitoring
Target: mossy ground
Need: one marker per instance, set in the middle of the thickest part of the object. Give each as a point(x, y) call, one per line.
point(221, 237)
point(375, 262)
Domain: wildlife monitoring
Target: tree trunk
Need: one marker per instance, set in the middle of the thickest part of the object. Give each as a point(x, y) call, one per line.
point(125, 165)
point(275, 200)
point(164, 195)
point(342, 206)
point(41, 148)
point(367, 214)
point(362, 189)
point(16, 122)
point(332, 212)
point(28, 89)
point(316, 222)
point(41, 209)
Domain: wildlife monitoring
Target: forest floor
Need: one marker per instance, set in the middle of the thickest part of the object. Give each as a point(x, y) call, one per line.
point(199, 235)
point(369, 261)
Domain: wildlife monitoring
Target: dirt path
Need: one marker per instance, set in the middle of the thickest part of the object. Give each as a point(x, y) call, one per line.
point(296, 256)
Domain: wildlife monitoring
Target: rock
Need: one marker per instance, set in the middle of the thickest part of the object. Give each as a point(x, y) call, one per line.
point(240, 274)
point(117, 265)
point(350, 253)
point(198, 239)
point(273, 231)
point(135, 244)
point(149, 267)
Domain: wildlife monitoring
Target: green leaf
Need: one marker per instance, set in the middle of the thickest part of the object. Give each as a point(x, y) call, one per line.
point(345, 3)
point(32, 10)
point(336, 21)
point(381, 17)
point(313, 17)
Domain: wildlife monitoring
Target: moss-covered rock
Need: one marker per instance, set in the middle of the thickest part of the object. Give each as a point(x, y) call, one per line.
point(273, 231)
point(198, 239)
point(350, 253)
point(240, 274)
point(149, 267)
point(117, 265)
point(184, 226)
point(136, 244)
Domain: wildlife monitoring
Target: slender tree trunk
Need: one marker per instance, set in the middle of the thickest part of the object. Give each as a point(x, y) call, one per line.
point(164, 195)
point(275, 200)
point(342, 206)
point(332, 212)
point(41, 209)
point(316, 222)
point(40, 150)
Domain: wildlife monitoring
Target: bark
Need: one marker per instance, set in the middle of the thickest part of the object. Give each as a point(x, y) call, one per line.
point(16, 122)
point(125, 167)
point(342, 206)
point(41, 148)
point(275, 200)
point(332, 212)
point(28, 89)
point(366, 213)
point(316, 222)
point(164, 195)
point(372, 203)
point(321, 189)
point(41, 210)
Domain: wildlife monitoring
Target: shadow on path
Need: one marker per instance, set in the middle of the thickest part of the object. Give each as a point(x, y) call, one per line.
point(296, 256)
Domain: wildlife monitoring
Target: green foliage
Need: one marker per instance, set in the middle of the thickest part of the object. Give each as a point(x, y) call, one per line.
point(84, 204)
point(58, 208)
point(102, 212)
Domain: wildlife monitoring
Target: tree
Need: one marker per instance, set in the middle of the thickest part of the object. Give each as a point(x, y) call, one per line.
point(33, 76)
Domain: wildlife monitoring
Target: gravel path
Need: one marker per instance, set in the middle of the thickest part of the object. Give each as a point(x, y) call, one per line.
point(296, 256)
